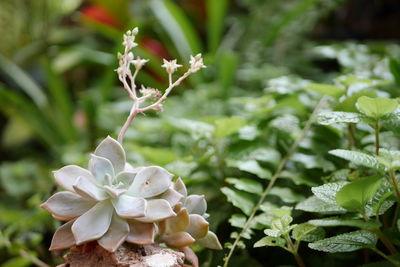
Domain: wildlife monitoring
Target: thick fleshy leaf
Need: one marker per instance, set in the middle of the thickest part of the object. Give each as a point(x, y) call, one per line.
point(180, 187)
point(198, 226)
point(172, 196)
point(67, 176)
point(178, 223)
point(94, 223)
point(87, 189)
point(125, 177)
point(130, 168)
point(114, 192)
point(130, 207)
point(100, 166)
point(178, 240)
point(150, 182)
point(112, 150)
point(67, 205)
point(157, 210)
point(196, 204)
point(210, 241)
point(116, 234)
point(63, 237)
point(141, 233)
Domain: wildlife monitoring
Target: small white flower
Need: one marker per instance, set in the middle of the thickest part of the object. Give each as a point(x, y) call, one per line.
point(150, 92)
point(170, 66)
point(129, 39)
point(196, 63)
point(138, 62)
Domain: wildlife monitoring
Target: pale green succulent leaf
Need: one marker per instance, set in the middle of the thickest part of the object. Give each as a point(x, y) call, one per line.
point(112, 150)
point(87, 189)
point(210, 241)
point(130, 207)
point(157, 210)
point(66, 176)
point(63, 237)
point(172, 196)
point(140, 233)
point(100, 166)
point(94, 223)
point(198, 226)
point(150, 182)
point(180, 187)
point(126, 178)
point(116, 234)
point(113, 191)
point(196, 204)
point(67, 205)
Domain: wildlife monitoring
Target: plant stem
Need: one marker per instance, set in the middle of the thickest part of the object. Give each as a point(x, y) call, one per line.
point(273, 180)
point(377, 137)
point(385, 241)
point(377, 251)
point(293, 250)
point(396, 214)
point(393, 181)
point(350, 137)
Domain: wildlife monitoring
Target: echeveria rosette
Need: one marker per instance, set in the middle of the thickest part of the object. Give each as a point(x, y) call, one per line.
point(190, 225)
point(110, 202)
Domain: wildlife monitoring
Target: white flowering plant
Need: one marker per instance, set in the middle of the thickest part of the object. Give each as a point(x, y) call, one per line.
point(112, 202)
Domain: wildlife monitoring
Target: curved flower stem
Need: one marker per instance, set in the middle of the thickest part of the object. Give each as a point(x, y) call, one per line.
point(273, 179)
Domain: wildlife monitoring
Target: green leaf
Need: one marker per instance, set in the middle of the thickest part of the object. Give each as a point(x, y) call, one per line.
point(245, 184)
point(314, 204)
point(270, 242)
point(301, 230)
point(331, 117)
point(227, 126)
point(326, 89)
point(327, 192)
point(337, 221)
point(178, 27)
point(241, 200)
point(286, 194)
point(376, 107)
point(394, 66)
point(355, 195)
point(358, 158)
point(251, 166)
point(281, 224)
point(216, 11)
point(346, 242)
point(349, 104)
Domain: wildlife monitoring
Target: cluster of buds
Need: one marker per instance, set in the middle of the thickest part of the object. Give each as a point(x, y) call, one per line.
point(196, 63)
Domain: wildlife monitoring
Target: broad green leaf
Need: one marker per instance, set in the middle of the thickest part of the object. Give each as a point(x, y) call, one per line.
point(227, 126)
point(326, 89)
point(327, 192)
point(286, 194)
point(227, 68)
point(358, 158)
point(355, 195)
point(331, 117)
point(382, 200)
point(251, 166)
point(346, 242)
point(394, 66)
point(376, 107)
point(281, 224)
point(337, 221)
point(156, 155)
point(314, 204)
point(301, 230)
point(197, 129)
point(270, 242)
point(241, 200)
point(245, 184)
point(349, 104)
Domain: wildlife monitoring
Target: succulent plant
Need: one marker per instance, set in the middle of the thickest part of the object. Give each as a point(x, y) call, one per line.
point(189, 225)
point(110, 201)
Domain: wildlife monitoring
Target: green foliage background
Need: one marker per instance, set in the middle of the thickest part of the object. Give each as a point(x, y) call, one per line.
point(244, 121)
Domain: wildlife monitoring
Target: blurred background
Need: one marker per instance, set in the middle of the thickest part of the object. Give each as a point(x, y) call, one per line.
point(59, 94)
